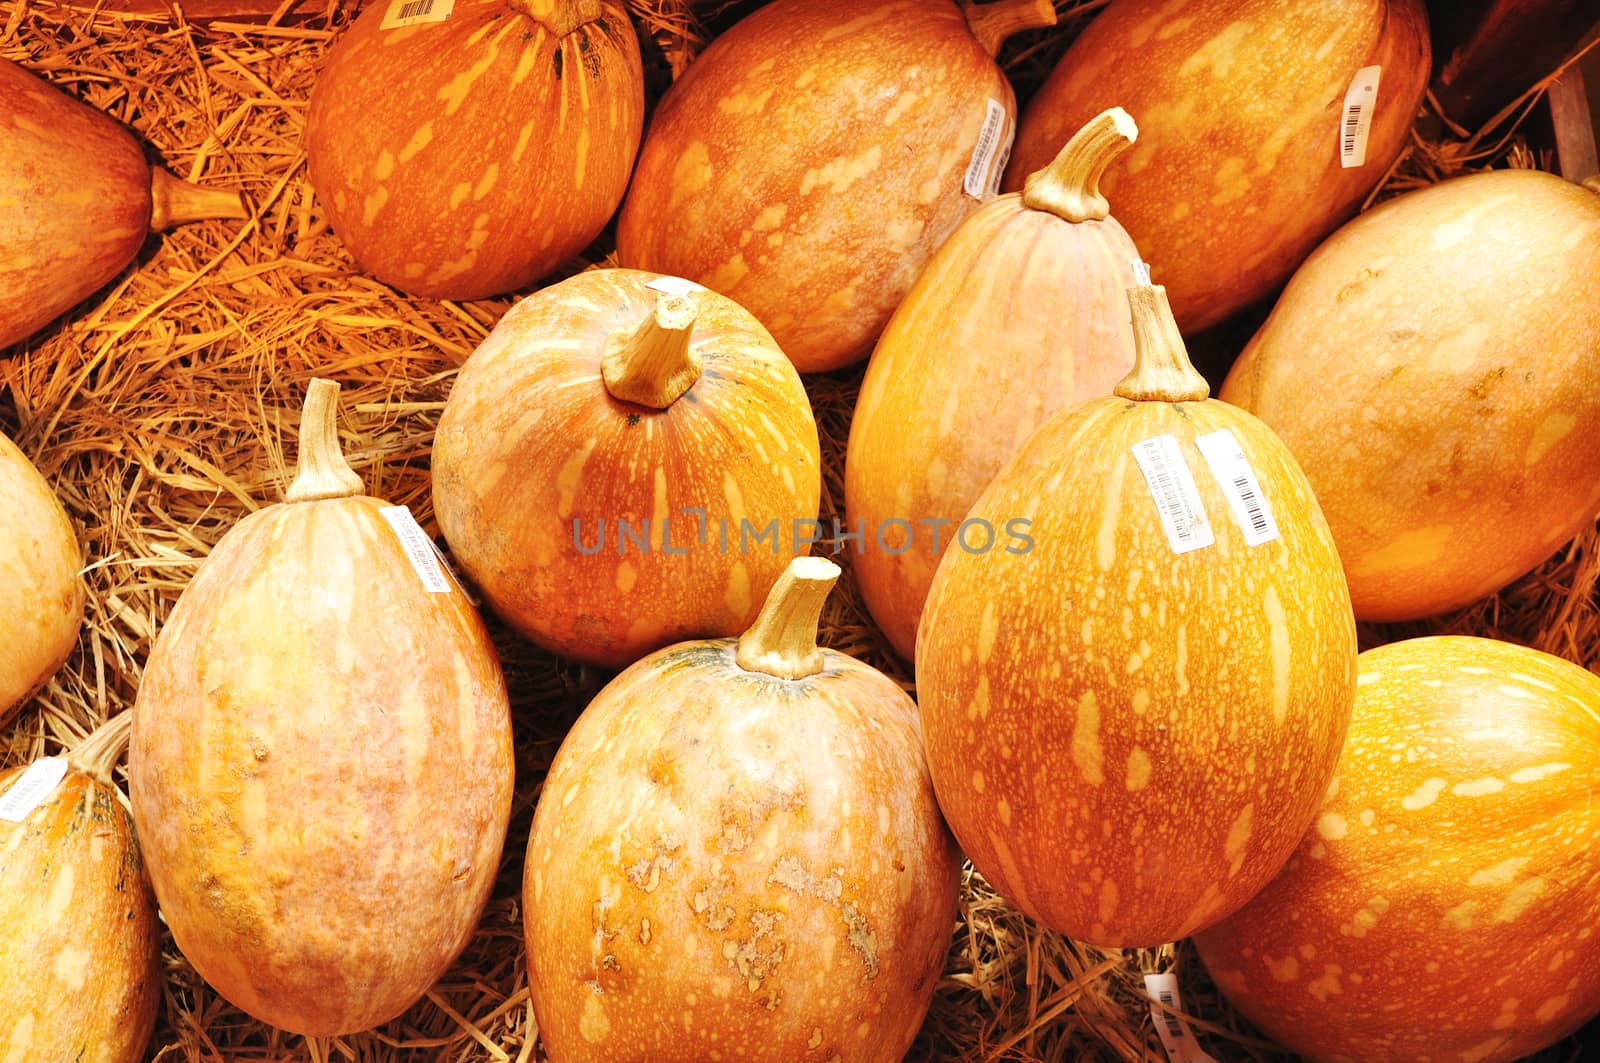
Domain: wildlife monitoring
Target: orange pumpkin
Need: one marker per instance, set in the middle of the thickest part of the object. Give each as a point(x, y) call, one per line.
point(1453, 328)
point(1443, 907)
point(1130, 722)
point(737, 855)
point(465, 158)
point(1241, 105)
point(812, 158)
point(619, 468)
point(79, 200)
point(320, 767)
point(1022, 312)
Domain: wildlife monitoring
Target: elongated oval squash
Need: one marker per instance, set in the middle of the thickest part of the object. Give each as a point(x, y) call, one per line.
point(1129, 725)
point(80, 947)
point(620, 467)
point(321, 764)
point(815, 155)
point(1435, 367)
point(1022, 312)
point(1241, 106)
point(738, 855)
point(467, 157)
point(1443, 907)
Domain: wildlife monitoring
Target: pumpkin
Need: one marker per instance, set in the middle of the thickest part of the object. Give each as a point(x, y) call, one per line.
point(1453, 325)
point(1443, 906)
point(1022, 312)
point(1131, 715)
point(39, 567)
point(810, 160)
point(79, 200)
point(1239, 171)
point(619, 468)
point(80, 952)
point(737, 855)
point(464, 158)
point(320, 767)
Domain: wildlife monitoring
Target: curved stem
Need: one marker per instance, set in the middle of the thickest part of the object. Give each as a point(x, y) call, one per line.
point(560, 17)
point(1162, 371)
point(97, 755)
point(654, 364)
point(783, 640)
point(993, 22)
point(321, 471)
point(175, 202)
point(1069, 186)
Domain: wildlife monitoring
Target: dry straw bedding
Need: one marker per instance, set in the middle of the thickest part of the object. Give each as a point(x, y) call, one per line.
point(159, 408)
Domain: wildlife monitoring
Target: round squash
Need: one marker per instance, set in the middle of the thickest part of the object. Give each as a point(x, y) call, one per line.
point(1452, 328)
point(1443, 907)
point(79, 200)
point(619, 467)
point(1131, 721)
point(1022, 312)
point(80, 947)
point(321, 762)
point(466, 158)
point(1241, 106)
point(40, 568)
point(737, 855)
point(809, 161)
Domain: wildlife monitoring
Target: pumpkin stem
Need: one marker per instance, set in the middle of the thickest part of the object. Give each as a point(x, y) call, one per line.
point(1069, 187)
point(783, 640)
point(993, 22)
point(560, 17)
point(97, 755)
point(176, 202)
point(1592, 183)
point(321, 471)
point(654, 364)
point(1162, 371)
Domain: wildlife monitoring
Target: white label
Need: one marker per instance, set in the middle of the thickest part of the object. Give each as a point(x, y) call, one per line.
point(1003, 158)
point(1175, 1034)
point(674, 286)
point(1358, 105)
point(415, 12)
point(32, 787)
point(995, 135)
point(418, 547)
point(1176, 497)
point(1238, 482)
point(1141, 272)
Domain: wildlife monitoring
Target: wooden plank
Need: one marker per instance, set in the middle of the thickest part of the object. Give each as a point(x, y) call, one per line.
point(1574, 126)
point(1489, 52)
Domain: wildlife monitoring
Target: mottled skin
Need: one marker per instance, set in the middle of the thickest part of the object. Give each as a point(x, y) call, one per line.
point(810, 161)
point(1236, 176)
point(39, 563)
point(1020, 314)
point(531, 441)
point(1129, 742)
point(74, 201)
point(1444, 908)
point(80, 976)
point(1454, 328)
point(466, 158)
point(725, 864)
point(320, 769)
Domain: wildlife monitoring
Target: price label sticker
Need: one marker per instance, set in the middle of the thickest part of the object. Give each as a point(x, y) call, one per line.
point(31, 788)
point(1359, 103)
point(1176, 1037)
point(674, 286)
point(415, 13)
point(994, 144)
point(419, 549)
point(1237, 479)
point(1172, 487)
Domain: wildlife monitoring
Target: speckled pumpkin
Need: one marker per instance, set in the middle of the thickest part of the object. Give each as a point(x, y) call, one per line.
point(465, 158)
point(619, 468)
point(1237, 173)
point(1023, 311)
point(80, 947)
point(737, 855)
point(1444, 906)
point(812, 158)
point(1129, 728)
point(1435, 368)
point(320, 767)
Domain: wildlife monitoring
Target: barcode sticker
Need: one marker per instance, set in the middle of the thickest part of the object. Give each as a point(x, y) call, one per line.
point(994, 139)
point(1176, 1037)
point(1358, 104)
point(418, 547)
point(674, 286)
point(1003, 158)
point(415, 12)
point(1238, 482)
point(1173, 489)
point(32, 787)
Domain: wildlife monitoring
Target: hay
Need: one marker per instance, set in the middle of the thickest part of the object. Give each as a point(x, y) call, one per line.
point(159, 407)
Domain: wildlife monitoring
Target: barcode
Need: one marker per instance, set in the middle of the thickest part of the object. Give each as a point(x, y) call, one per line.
point(419, 549)
point(1237, 480)
point(413, 12)
point(1252, 504)
point(976, 181)
point(1172, 489)
point(1359, 101)
point(415, 8)
point(1169, 1019)
point(1352, 121)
